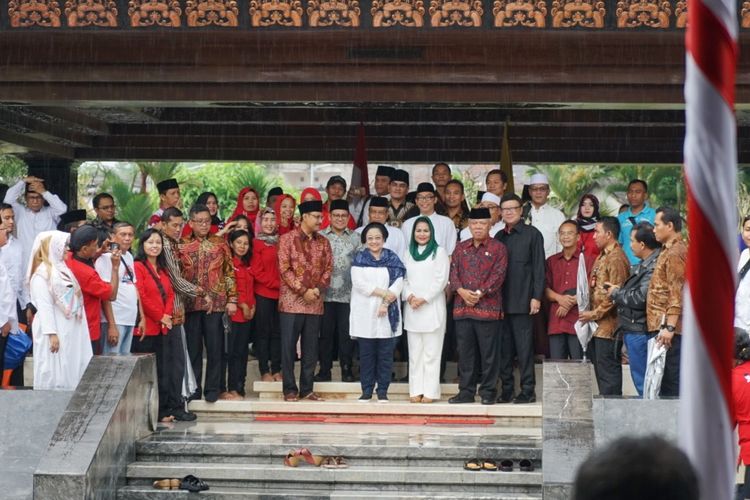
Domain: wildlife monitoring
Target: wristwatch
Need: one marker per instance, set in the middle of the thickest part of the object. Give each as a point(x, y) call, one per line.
point(668, 328)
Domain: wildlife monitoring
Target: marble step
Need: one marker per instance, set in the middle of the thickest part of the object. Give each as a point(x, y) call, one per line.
point(356, 477)
point(366, 449)
point(397, 391)
point(146, 492)
point(352, 411)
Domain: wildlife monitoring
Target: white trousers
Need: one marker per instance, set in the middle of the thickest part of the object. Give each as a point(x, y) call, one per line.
point(425, 351)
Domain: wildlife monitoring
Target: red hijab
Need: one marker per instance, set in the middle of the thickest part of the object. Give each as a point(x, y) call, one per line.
point(311, 191)
point(284, 228)
point(240, 208)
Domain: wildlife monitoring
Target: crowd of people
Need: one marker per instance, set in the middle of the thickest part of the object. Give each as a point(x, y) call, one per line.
point(416, 275)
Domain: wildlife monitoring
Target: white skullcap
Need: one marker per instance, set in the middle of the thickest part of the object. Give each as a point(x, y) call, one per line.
point(491, 197)
point(538, 179)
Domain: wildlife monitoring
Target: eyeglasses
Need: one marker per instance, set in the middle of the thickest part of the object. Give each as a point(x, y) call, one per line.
point(428, 197)
point(510, 209)
point(340, 216)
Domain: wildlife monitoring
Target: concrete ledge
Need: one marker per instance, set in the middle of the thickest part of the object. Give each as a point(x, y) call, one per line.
point(114, 405)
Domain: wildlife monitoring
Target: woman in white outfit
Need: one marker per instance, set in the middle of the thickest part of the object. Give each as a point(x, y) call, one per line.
point(62, 349)
point(374, 319)
point(427, 270)
point(742, 298)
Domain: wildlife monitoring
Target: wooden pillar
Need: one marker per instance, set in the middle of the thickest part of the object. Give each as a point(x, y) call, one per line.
point(60, 176)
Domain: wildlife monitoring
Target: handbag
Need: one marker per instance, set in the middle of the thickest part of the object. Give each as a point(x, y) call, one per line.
point(15, 350)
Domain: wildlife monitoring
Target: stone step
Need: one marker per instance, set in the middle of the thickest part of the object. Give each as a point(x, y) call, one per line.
point(355, 478)
point(397, 391)
point(352, 411)
point(365, 448)
point(146, 492)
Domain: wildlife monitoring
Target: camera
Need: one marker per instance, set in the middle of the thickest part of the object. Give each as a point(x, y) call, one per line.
point(114, 246)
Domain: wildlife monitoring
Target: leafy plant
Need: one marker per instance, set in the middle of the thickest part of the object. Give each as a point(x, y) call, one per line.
point(12, 169)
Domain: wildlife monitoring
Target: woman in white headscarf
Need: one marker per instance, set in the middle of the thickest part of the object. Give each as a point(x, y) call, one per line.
point(62, 349)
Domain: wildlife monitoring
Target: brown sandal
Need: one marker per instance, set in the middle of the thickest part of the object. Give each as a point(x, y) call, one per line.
point(329, 463)
point(341, 463)
point(416, 399)
point(292, 459)
point(167, 484)
point(308, 457)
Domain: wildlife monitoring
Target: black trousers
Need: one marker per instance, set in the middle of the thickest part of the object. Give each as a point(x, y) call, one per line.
point(170, 367)
point(478, 339)
point(450, 347)
point(565, 346)
point(670, 382)
point(234, 358)
point(206, 329)
point(267, 342)
point(608, 366)
point(334, 326)
point(292, 327)
point(517, 341)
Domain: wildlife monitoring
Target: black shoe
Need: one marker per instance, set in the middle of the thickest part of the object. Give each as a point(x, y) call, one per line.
point(194, 396)
point(346, 374)
point(211, 397)
point(524, 399)
point(183, 416)
point(505, 398)
point(460, 399)
point(488, 401)
point(322, 377)
point(365, 398)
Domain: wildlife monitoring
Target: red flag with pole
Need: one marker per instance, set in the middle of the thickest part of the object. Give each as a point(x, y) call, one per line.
point(360, 179)
point(706, 402)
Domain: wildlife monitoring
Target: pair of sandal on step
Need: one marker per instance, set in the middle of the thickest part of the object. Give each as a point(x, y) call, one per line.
point(295, 457)
point(506, 465)
point(188, 483)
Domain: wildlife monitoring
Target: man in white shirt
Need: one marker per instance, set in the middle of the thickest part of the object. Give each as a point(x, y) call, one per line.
point(360, 206)
point(11, 257)
point(378, 212)
point(34, 217)
point(125, 307)
point(491, 202)
point(8, 318)
point(445, 230)
point(544, 217)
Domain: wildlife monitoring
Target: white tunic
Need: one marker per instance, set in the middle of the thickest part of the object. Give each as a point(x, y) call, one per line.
point(7, 300)
point(61, 370)
point(547, 220)
point(395, 242)
point(466, 232)
point(742, 298)
point(364, 321)
point(426, 279)
point(30, 223)
point(445, 231)
point(11, 256)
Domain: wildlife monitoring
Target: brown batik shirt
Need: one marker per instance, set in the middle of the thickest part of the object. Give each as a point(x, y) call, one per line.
point(665, 289)
point(611, 266)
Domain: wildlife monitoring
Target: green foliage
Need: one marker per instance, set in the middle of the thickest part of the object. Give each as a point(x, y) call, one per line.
point(226, 180)
point(12, 169)
point(569, 182)
point(135, 208)
point(471, 185)
point(666, 184)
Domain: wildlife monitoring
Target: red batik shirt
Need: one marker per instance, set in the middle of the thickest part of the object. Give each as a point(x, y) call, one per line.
point(482, 268)
point(208, 264)
point(304, 262)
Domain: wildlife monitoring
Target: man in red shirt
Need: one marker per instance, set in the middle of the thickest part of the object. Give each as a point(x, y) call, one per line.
point(84, 247)
point(561, 285)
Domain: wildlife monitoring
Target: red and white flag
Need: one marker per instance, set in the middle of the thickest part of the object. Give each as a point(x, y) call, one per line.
point(360, 179)
point(706, 414)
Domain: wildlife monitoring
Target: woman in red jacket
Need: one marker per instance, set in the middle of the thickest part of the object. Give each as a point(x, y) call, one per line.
point(284, 210)
point(265, 270)
point(586, 218)
point(236, 355)
point(157, 301)
point(248, 204)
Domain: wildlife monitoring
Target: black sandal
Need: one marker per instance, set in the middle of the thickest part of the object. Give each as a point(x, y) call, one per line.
point(193, 484)
point(474, 465)
point(506, 466)
point(525, 465)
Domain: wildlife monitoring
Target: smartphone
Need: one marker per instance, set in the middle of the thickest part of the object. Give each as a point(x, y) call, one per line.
point(606, 286)
point(113, 246)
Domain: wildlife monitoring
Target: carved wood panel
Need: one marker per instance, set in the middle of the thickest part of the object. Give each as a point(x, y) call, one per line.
point(680, 13)
point(465, 13)
point(573, 13)
point(643, 13)
point(323, 13)
point(26, 13)
point(386, 13)
point(211, 12)
point(145, 13)
point(276, 13)
point(526, 13)
point(82, 13)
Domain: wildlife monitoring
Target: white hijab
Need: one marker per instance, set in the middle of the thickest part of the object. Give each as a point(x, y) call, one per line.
point(61, 282)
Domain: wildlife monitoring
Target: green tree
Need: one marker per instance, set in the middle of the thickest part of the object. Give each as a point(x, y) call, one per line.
point(226, 180)
point(569, 182)
point(157, 171)
point(12, 169)
point(135, 208)
point(666, 183)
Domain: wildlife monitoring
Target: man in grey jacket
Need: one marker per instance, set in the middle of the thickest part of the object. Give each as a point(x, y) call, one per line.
point(631, 300)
